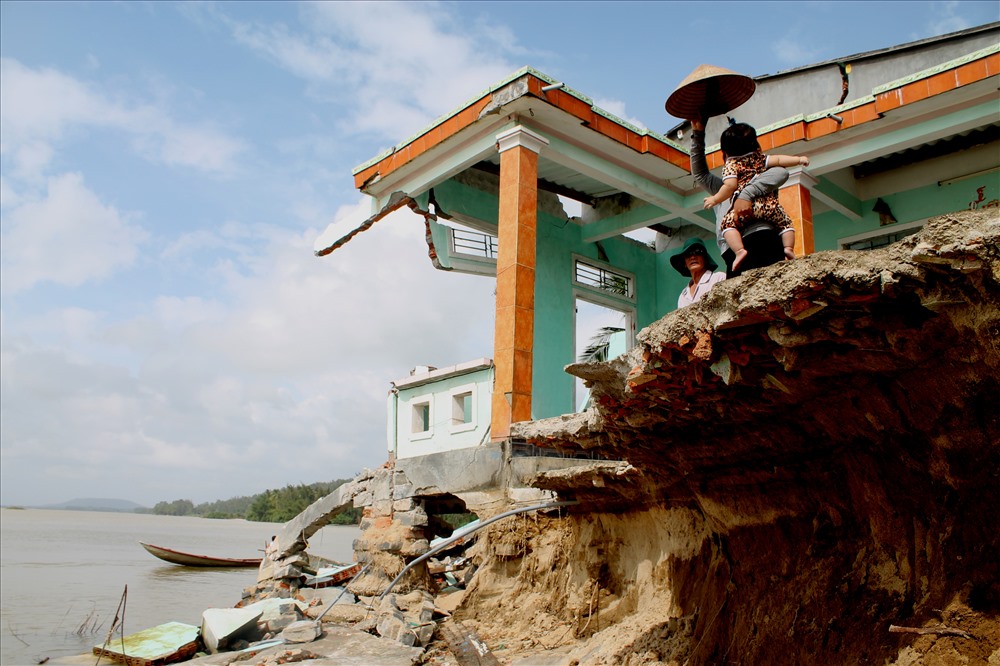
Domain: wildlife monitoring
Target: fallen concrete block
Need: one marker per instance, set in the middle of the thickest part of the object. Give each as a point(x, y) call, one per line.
point(219, 626)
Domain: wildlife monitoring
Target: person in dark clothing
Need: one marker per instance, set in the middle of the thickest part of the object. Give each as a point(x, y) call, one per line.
point(760, 239)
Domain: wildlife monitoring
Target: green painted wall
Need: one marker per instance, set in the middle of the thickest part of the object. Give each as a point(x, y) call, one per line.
point(555, 303)
point(657, 283)
point(908, 206)
point(558, 240)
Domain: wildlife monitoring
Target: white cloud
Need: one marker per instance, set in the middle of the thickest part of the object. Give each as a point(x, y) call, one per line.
point(68, 237)
point(617, 107)
point(393, 65)
point(275, 368)
point(43, 106)
point(946, 18)
point(281, 381)
point(795, 51)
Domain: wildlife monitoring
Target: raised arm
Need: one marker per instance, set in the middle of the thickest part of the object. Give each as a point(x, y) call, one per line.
point(705, 179)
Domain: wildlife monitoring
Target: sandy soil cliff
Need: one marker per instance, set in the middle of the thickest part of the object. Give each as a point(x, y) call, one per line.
point(805, 458)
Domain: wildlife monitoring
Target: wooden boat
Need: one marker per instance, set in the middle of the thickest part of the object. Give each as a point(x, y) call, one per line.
point(191, 560)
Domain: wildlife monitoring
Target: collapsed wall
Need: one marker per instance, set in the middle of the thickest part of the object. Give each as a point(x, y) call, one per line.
point(810, 456)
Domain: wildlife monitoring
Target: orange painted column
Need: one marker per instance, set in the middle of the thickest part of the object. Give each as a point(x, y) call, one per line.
point(513, 340)
point(797, 202)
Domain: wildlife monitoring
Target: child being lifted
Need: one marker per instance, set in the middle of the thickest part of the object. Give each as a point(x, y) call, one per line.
point(744, 160)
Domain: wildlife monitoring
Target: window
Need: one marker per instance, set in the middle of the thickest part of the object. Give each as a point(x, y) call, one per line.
point(421, 424)
point(463, 408)
point(604, 278)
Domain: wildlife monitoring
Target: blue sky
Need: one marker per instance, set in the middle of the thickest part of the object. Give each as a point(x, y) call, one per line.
point(166, 331)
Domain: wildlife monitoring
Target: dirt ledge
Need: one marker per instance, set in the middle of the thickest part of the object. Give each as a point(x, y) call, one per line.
point(810, 455)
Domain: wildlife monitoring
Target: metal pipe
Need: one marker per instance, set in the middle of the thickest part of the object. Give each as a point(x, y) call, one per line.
point(554, 86)
point(837, 119)
point(451, 540)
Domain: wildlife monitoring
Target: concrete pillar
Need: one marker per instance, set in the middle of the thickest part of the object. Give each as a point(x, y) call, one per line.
point(513, 339)
point(797, 202)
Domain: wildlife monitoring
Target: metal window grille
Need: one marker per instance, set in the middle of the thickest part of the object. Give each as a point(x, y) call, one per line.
point(474, 243)
point(604, 279)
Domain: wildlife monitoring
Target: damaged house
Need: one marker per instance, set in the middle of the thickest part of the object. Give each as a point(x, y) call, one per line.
point(764, 477)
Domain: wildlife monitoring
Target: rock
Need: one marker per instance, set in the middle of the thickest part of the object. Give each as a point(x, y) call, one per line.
point(303, 631)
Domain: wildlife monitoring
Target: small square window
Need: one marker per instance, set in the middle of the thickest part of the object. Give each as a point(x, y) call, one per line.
point(461, 408)
point(421, 421)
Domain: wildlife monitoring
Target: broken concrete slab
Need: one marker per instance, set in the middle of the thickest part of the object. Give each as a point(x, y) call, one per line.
point(344, 646)
point(219, 626)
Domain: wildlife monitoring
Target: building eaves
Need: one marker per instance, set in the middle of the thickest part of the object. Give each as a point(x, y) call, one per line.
point(538, 85)
point(438, 374)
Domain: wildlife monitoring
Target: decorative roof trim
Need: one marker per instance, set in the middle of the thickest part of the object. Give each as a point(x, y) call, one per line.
point(540, 86)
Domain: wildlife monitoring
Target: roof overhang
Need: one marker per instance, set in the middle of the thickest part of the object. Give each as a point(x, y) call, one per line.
point(591, 153)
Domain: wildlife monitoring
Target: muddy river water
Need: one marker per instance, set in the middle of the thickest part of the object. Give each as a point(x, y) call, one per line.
point(63, 574)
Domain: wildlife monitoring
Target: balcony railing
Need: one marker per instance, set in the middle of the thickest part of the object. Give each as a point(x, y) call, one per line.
point(474, 243)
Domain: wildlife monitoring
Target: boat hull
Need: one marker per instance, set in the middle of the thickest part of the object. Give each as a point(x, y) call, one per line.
point(192, 560)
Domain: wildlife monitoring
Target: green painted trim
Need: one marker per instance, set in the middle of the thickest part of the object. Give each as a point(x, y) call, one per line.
point(839, 195)
point(846, 106)
point(442, 118)
point(455, 197)
point(851, 153)
point(937, 69)
point(615, 225)
point(585, 162)
point(861, 101)
point(424, 179)
point(439, 236)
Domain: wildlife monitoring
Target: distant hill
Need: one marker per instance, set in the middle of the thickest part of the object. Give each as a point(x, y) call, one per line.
point(95, 504)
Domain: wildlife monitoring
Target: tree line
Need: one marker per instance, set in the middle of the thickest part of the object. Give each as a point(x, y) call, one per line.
point(270, 506)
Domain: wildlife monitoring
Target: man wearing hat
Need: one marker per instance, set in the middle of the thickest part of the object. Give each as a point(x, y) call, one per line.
point(693, 261)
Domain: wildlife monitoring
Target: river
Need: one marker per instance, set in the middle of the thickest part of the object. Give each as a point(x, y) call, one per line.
point(63, 574)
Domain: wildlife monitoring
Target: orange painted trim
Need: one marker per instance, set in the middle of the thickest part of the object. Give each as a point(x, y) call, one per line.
point(797, 202)
point(910, 93)
point(574, 106)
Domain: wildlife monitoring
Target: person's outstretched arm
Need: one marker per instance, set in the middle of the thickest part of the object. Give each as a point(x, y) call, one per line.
point(787, 160)
point(704, 178)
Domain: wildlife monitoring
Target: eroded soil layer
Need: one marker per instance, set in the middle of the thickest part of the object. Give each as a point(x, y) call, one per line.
point(810, 455)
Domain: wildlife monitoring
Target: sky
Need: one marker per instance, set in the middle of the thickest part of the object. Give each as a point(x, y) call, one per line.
point(166, 331)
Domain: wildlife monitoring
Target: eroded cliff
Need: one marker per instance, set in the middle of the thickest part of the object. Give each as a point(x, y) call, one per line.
point(810, 455)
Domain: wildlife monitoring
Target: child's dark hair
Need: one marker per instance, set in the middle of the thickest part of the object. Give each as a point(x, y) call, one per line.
point(739, 139)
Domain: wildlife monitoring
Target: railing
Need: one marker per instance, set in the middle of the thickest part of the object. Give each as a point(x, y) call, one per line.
point(604, 279)
point(474, 243)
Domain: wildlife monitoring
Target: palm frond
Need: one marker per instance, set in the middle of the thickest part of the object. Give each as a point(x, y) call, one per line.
point(597, 350)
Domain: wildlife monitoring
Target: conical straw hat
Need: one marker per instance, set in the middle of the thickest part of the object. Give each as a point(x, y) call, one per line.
point(709, 91)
